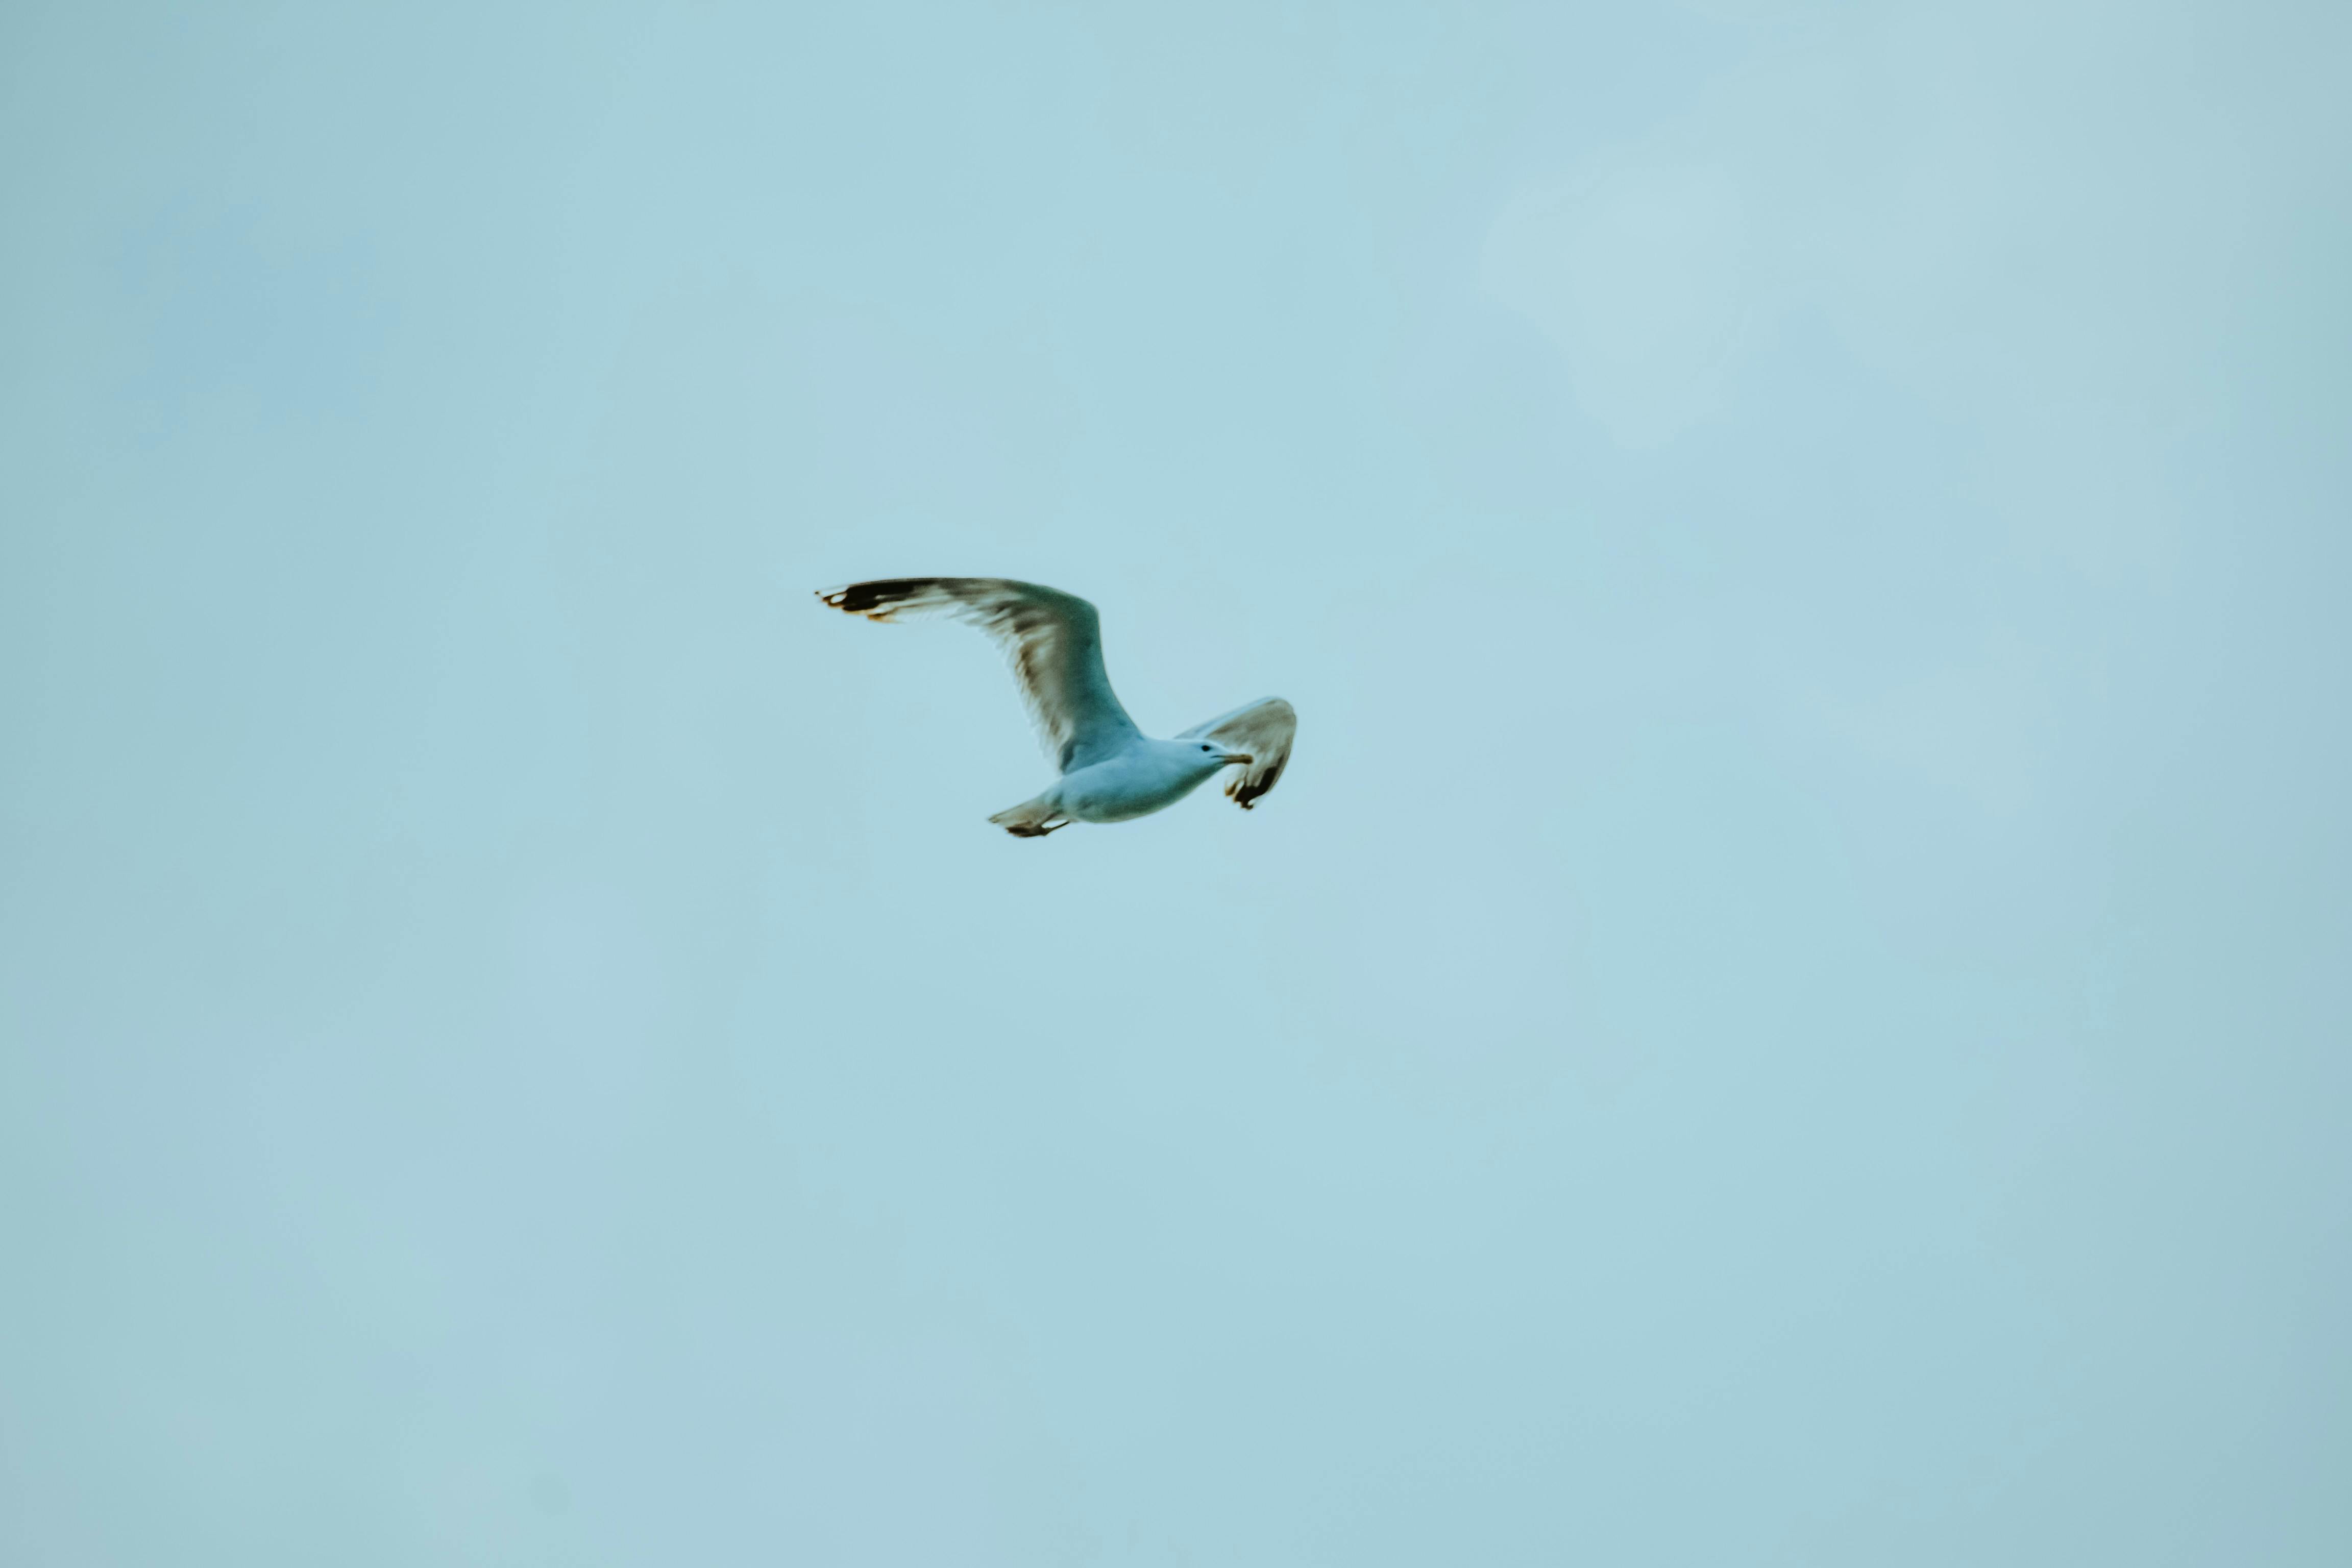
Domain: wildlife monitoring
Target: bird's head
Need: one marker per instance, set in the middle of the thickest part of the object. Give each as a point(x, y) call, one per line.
point(1211, 755)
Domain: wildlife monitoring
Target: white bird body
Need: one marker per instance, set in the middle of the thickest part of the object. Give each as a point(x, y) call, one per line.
point(1111, 771)
point(1146, 777)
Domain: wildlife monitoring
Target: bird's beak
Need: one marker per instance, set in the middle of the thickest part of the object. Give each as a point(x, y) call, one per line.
point(1239, 757)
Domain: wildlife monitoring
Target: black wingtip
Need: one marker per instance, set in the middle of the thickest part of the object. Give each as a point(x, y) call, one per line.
point(880, 595)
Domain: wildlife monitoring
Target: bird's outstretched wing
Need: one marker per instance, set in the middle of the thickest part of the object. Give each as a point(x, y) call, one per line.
point(1052, 640)
point(1265, 730)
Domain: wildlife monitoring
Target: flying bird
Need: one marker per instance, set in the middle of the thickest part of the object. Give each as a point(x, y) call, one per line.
point(1111, 771)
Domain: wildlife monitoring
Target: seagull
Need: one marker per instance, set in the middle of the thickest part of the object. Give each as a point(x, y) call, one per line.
point(1111, 771)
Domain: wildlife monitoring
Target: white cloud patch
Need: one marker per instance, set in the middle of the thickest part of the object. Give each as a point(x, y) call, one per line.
point(1639, 270)
point(1976, 724)
point(2063, 222)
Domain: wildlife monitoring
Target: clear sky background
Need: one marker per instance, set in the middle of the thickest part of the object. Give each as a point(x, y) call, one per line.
point(1795, 1007)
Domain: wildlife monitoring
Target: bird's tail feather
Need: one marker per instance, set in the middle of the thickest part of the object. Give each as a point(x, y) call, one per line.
point(1032, 818)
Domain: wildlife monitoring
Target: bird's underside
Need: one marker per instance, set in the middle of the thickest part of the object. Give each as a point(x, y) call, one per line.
point(1111, 771)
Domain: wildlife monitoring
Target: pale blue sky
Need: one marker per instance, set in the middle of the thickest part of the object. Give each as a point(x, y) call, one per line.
point(1792, 1008)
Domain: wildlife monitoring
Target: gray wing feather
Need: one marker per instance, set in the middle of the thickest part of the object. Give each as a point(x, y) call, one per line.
point(1265, 730)
point(1052, 640)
